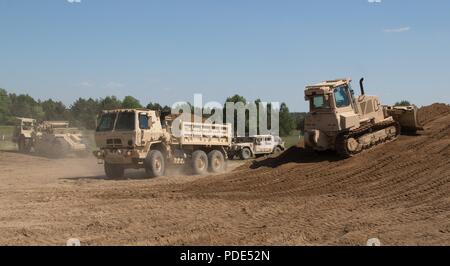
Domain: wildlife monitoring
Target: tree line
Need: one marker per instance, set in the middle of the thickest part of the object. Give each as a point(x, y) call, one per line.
point(83, 112)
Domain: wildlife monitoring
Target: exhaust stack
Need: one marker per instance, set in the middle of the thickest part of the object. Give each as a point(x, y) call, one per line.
point(361, 85)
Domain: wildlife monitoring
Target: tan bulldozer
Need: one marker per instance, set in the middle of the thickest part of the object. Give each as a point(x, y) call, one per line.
point(348, 124)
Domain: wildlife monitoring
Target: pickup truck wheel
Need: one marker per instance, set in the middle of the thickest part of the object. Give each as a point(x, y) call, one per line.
point(199, 162)
point(277, 150)
point(216, 162)
point(155, 164)
point(114, 170)
point(246, 154)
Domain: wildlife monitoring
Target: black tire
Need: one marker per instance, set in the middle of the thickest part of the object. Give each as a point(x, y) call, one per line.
point(246, 154)
point(114, 170)
point(216, 162)
point(24, 145)
point(155, 164)
point(199, 162)
point(21, 145)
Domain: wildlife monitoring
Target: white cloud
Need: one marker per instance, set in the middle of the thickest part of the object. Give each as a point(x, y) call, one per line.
point(375, 1)
point(73, 1)
point(114, 85)
point(397, 30)
point(86, 84)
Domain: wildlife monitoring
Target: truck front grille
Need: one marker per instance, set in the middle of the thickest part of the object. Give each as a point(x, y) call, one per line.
point(114, 143)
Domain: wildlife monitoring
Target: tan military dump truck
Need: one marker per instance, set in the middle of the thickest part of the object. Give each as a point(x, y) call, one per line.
point(348, 124)
point(136, 139)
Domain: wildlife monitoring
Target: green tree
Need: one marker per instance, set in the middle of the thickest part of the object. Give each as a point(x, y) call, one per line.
point(402, 103)
point(287, 122)
point(84, 112)
point(5, 104)
point(25, 106)
point(129, 102)
point(54, 110)
point(110, 103)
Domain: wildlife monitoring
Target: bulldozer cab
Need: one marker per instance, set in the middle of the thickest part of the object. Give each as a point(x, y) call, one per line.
point(330, 95)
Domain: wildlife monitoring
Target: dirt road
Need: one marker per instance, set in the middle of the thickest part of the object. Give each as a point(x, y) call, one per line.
point(399, 193)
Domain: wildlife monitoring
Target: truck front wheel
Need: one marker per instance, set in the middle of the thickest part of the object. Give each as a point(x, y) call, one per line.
point(199, 162)
point(114, 170)
point(155, 164)
point(216, 161)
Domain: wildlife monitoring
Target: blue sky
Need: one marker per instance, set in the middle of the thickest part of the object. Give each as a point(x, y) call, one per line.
point(165, 51)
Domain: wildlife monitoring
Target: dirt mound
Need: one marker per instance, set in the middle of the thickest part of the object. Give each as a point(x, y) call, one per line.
point(431, 112)
point(398, 192)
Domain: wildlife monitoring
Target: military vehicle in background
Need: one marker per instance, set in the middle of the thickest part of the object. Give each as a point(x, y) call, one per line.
point(255, 146)
point(340, 121)
point(23, 133)
point(57, 139)
point(49, 138)
point(136, 139)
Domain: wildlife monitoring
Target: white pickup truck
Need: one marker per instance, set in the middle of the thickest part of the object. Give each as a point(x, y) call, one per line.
point(255, 146)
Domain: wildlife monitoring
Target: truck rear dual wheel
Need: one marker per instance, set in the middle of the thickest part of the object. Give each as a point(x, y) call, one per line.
point(216, 162)
point(199, 162)
point(155, 164)
point(114, 170)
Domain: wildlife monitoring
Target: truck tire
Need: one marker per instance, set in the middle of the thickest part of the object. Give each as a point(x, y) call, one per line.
point(24, 145)
point(21, 145)
point(199, 162)
point(155, 164)
point(114, 170)
point(246, 154)
point(277, 150)
point(216, 162)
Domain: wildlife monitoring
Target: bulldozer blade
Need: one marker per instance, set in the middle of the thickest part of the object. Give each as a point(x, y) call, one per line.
point(406, 116)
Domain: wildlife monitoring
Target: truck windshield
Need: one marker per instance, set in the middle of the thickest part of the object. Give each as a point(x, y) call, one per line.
point(341, 97)
point(27, 126)
point(126, 121)
point(319, 102)
point(106, 122)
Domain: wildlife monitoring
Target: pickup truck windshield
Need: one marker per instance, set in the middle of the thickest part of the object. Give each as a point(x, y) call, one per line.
point(126, 121)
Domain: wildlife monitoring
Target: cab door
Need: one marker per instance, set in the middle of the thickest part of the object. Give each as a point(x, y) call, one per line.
point(262, 145)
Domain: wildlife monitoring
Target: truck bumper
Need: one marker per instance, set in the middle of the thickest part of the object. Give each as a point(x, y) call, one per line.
point(118, 156)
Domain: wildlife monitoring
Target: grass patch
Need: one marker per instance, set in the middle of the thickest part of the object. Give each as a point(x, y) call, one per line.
point(293, 139)
point(6, 133)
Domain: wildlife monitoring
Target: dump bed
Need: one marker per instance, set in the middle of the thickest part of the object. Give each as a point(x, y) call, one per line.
point(205, 134)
